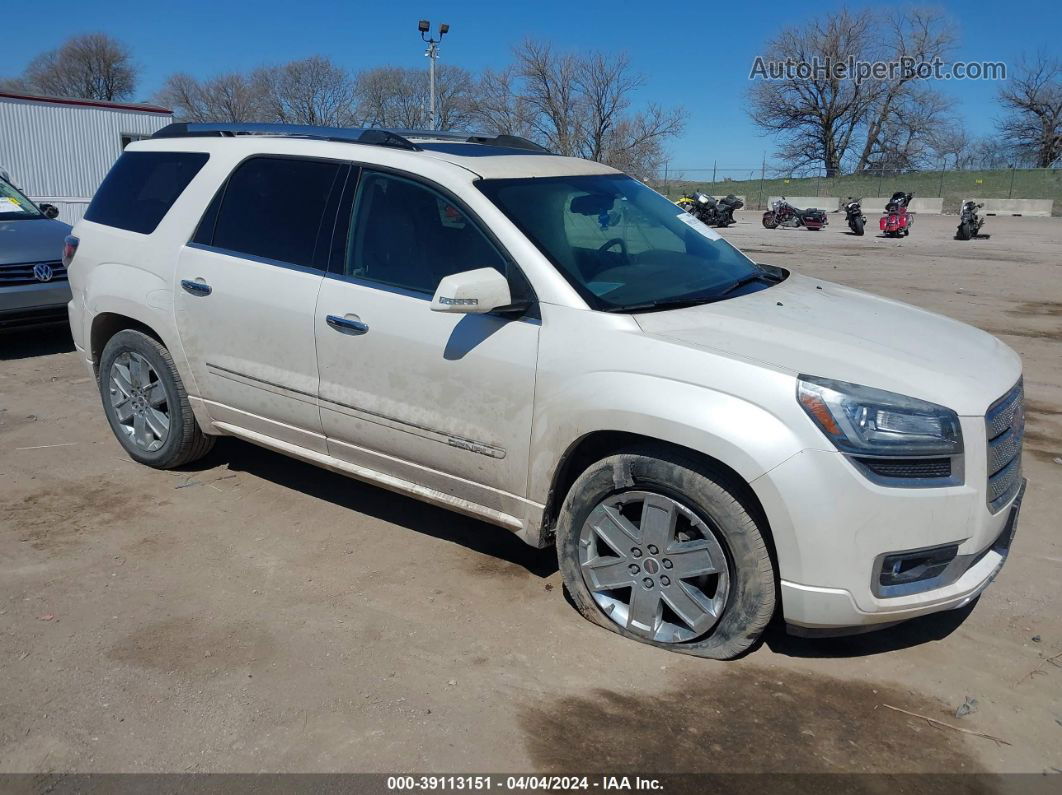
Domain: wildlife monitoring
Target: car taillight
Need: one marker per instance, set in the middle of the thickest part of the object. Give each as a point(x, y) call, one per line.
point(69, 249)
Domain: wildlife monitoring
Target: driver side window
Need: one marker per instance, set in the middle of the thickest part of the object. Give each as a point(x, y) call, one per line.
point(404, 234)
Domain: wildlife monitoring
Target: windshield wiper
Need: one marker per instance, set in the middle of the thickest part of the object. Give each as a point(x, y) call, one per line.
point(677, 303)
point(752, 277)
point(663, 303)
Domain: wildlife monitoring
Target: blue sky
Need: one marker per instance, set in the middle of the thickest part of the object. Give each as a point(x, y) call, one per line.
point(695, 54)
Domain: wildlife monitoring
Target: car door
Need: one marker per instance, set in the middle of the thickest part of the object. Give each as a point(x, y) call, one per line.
point(246, 293)
point(441, 400)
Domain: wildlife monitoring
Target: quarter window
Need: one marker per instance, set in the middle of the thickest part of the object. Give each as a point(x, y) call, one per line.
point(141, 187)
point(407, 235)
point(273, 208)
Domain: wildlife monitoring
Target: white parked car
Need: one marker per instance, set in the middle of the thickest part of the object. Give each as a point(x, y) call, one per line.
point(549, 345)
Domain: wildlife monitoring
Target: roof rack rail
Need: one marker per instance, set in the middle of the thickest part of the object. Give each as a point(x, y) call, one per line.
point(376, 136)
point(356, 135)
point(509, 141)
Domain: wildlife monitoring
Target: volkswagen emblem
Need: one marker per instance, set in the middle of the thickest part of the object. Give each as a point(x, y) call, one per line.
point(43, 272)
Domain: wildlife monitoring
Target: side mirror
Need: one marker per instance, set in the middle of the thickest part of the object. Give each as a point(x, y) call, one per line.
point(472, 292)
point(49, 210)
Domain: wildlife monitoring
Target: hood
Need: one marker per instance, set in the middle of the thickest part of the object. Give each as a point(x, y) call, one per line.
point(32, 240)
point(808, 326)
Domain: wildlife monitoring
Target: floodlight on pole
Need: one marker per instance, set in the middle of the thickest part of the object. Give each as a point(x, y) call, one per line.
point(424, 26)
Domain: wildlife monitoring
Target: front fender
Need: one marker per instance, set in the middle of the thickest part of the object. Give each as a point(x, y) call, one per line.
point(747, 437)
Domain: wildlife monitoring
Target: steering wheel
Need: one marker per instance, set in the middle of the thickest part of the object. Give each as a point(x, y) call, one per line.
point(615, 241)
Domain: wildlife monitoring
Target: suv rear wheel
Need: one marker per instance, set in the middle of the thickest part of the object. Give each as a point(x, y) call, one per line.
point(146, 403)
point(660, 550)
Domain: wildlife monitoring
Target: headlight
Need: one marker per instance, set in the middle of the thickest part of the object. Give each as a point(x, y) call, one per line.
point(873, 422)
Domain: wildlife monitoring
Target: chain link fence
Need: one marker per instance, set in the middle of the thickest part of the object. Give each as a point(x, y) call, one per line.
point(757, 184)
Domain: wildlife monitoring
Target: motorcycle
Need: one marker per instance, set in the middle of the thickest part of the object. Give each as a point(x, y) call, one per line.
point(853, 211)
point(706, 209)
point(897, 222)
point(782, 213)
point(970, 222)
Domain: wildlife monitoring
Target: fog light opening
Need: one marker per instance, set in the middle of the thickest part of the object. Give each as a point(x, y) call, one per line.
point(925, 564)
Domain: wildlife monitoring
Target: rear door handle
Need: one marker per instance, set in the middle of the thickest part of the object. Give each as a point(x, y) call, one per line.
point(195, 288)
point(347, 325)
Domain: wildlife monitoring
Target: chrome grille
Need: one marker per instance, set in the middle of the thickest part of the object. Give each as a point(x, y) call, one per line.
point(1004, 429)
point(18, 273)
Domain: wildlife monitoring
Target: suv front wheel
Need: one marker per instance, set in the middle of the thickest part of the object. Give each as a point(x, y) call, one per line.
point(659, 549)
point(146, 403)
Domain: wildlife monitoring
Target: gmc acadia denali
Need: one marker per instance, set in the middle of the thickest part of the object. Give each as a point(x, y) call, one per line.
point(549, 345)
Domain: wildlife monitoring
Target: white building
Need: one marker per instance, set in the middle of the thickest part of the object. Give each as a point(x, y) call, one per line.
point(59, 150)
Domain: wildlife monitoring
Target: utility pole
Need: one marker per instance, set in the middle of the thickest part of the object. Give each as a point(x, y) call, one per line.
point(424, 26)
point(763, 173)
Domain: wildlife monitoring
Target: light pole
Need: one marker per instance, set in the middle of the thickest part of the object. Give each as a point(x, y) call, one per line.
point(424, 26)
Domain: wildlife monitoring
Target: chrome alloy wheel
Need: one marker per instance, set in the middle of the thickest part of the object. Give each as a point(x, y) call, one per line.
point(654, 566)
point(139, 400)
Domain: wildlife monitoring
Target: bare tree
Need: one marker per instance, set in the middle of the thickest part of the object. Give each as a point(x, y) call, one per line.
point(1033, 98)
point(550, 92)
point(635, 144)
point(390, 96)
point(908, 132)
point(993, 152)
point(577, 105)
point(905, 114)
point(310, 91)
point(15, 85)
point(90, 66)
point(497, 105)
point(232, 97)
point(951, 144)
point(817, 116)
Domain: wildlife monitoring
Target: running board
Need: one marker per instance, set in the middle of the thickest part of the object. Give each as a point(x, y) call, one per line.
point(367, 475)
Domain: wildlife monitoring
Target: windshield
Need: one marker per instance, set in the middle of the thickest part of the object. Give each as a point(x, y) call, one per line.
point(622, 245)
point(13, 205)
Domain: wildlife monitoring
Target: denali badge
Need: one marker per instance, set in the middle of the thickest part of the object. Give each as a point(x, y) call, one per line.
point(458, 301)
point(43, 272)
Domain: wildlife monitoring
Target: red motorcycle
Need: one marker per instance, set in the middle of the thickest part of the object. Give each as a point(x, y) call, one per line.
point(782, 213)
point(897, 222)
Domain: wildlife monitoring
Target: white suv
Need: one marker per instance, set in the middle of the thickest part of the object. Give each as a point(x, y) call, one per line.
point(551, 346)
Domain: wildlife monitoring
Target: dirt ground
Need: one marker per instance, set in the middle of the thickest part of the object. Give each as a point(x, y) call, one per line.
point(253, 613)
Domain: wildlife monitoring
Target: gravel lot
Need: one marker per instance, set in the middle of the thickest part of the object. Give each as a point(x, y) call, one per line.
point(253, 613)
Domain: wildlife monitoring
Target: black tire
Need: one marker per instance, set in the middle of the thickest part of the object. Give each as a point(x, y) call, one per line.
point(770, 221)
point(750, 600)
point(184, 440)
point(965, 231)
point(857, 226)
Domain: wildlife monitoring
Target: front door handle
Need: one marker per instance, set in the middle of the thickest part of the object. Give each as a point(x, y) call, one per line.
point(347, 325)
point(195, 288)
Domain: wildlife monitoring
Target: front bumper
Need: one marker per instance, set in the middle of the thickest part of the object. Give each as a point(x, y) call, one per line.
point(33, 304)
point(832, 527)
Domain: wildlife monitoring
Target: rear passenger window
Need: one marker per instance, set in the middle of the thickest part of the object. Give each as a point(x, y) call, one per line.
point(141, 187)
point(275, 208)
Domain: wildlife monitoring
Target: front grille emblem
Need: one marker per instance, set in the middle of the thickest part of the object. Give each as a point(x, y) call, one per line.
point(43, 272)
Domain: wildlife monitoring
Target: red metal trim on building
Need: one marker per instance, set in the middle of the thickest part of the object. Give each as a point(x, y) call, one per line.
point(91, 103)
